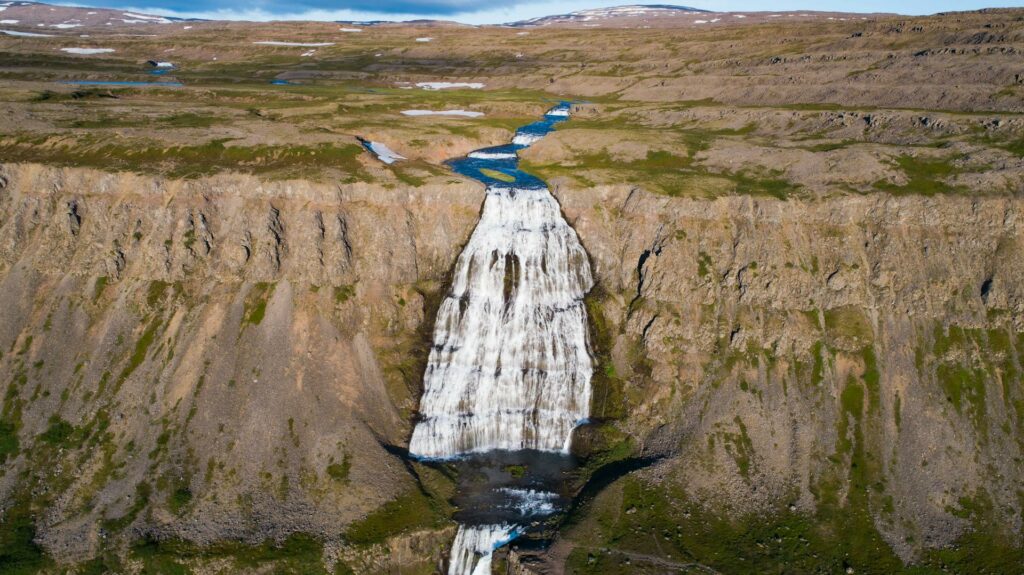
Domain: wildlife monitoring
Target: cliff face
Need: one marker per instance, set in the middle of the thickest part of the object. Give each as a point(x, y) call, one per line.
point(231, 359)
point(216, 359)
point(856, 360)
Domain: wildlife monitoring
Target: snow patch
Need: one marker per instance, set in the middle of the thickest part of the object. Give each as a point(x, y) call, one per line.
point(352, 30)
point(86, 51)
point(384, 153)
point(424, 39)
point(301, 44)
point(465, 113)
point(443, 85)
point(8, 21)
point(145, 18)
point(26, 34)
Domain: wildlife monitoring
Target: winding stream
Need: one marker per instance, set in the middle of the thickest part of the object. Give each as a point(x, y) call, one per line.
point(508, 377)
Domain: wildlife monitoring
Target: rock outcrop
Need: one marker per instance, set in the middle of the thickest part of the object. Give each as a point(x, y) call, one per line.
point(214, 359)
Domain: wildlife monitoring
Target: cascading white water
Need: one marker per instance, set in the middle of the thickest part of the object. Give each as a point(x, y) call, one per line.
point(474, 546)
point(510, 366)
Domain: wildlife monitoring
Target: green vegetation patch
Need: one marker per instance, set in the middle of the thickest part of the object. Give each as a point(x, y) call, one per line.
point(185, 161)
point(256, 302)
point(925, 176)
point(501, 176)
point(299, 554)
point(8, 440)
point(339, 471)
point(344, 293)
point(141, 349)
point(408, 512)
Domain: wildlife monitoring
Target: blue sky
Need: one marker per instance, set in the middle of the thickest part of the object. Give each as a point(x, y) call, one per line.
point(492, 11)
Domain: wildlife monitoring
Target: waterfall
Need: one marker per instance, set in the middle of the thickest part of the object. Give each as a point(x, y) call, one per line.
point(474, 546)
point(510, 366)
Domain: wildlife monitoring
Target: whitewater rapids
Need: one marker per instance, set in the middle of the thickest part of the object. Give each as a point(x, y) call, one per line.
point(510, 367)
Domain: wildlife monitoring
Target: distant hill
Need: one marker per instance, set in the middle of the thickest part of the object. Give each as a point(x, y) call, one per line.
point(43, 18)
point(628, 12)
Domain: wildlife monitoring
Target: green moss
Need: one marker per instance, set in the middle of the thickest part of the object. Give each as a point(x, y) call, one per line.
point(703, 264)
point(740, 448)
point(98, 286)
point(763, 185)
point(818, 364)
point(141, 350)
point(964, 388)
point(184, 120)
point(58, 433)
point(8, 440)
point(925, 176)
point(155, 292)
point(608, 398)
point(298, 554)
point(872, 378)
point(849, 322)
point(185, 161)
point(256, 302)
point(659, 522)
point(179, 499)
point(19, 553)
point(516, 471)
point(339, 471)
point(344, 293)
point(408, 512)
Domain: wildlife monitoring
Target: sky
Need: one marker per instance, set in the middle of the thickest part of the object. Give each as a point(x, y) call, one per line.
point(493, 11)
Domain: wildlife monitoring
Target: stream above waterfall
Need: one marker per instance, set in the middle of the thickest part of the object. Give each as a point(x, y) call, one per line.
point(508, 376)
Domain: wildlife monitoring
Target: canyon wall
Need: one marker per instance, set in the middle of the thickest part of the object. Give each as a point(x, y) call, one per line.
point(223, 358)
point(235, 359)
point(858, 353)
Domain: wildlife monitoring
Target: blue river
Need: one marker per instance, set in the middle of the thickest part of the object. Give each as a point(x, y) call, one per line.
point(505, 160)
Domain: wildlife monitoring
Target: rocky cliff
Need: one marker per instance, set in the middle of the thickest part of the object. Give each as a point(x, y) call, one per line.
point(204, 366)
point(855, 361)
point(219, 359)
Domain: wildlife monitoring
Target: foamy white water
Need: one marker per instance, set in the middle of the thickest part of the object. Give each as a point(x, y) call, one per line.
point(492, 156)
point(474, 546)
point(526, 139)
point(510, 367)
point(530, 501)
